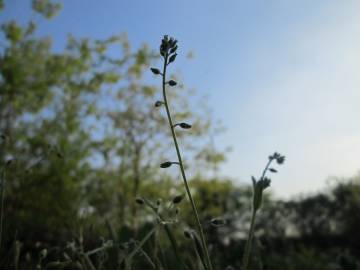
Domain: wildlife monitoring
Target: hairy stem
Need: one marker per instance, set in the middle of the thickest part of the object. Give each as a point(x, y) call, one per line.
point(193, 206)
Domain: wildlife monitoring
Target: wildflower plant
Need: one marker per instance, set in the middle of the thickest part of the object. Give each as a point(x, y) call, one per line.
point(168, 51)
point(2, 196)
point(258, 188)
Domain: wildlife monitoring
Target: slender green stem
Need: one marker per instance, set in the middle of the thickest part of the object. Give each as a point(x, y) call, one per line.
point(168, 232)
point(248, 245)
point(249, 240)
point(139, 246)
point(99, 249)
point(266, 168)
point(2, 203)
point(193, 206)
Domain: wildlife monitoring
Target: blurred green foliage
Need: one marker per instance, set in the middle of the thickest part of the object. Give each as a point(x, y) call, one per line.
point(85, 140)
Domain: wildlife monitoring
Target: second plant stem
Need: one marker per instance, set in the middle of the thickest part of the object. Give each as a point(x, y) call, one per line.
point(248, 245)
point(192, 202)
point(2, 183)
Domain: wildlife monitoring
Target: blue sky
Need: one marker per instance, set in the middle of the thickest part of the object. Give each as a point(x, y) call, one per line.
point(281, 75)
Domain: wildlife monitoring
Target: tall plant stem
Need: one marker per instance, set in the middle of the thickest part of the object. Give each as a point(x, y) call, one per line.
point(2, 183)
point(248, 245)
point(266, 168)
point(193, 206)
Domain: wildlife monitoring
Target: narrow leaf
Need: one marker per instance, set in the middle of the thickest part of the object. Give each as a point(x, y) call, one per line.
point(139, 246)
point(199, 250)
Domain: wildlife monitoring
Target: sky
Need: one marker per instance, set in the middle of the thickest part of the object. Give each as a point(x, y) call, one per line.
point(281, 75)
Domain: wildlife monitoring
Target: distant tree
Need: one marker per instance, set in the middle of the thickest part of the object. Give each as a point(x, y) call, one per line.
point(82, 129)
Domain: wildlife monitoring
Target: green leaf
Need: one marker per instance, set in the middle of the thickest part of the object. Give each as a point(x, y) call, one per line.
point(46, 8)
point(257, 199)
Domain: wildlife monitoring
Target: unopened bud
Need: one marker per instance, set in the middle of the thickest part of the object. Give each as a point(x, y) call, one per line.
point(155, 71)
point(158, 103)
point(166, 164)
point(185, 125)
point(139, 201)
point(177, 199)
point(172, 58)
point(172, 83)
point(217, 222)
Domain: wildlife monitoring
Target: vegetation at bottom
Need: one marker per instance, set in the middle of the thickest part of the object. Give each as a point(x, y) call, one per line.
point(101, 169)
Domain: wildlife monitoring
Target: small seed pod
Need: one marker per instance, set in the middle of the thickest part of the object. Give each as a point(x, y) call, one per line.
point(274, 156)
point(217, 222)
point(166, 164)
point(172, 42)
point(158, 103)
point(172, 58)
point(265, 182)
point(155, 71)
point(173, 49)
point(177, 199)
point(185, 125)
point(280, 160)
point(273, 170)
point(162, 52)
point(139, 201)
point(172, 83)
